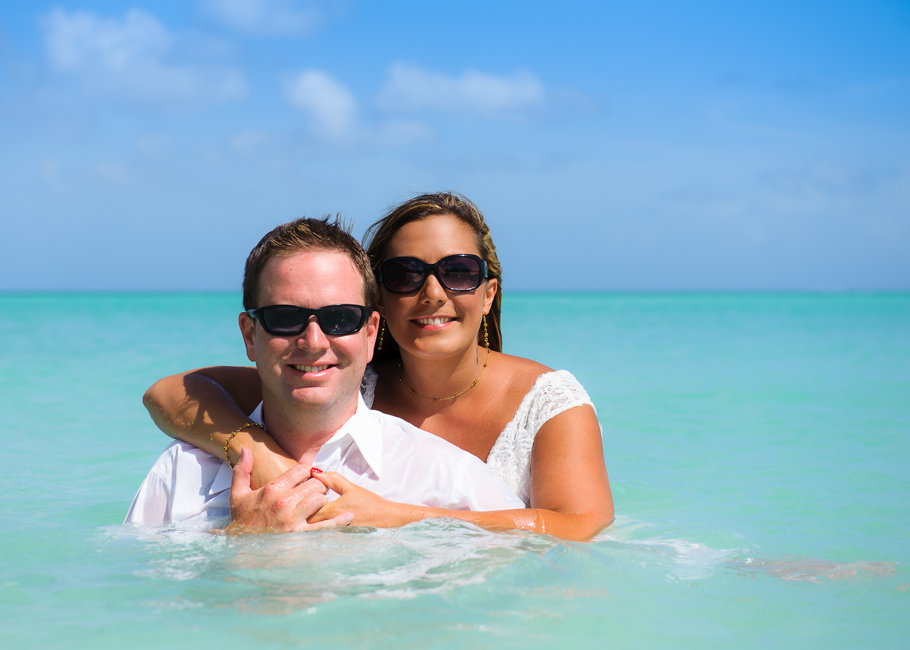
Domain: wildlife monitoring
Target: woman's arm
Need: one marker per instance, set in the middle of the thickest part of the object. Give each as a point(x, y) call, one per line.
point(202, 407)
point(569, 483)
point(570, 491)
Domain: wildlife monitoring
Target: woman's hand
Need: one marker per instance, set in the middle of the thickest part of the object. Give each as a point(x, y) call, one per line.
point(367, 508)
point(281, 506)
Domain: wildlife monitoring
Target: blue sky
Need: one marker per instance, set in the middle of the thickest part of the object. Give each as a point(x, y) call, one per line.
point(612, 145)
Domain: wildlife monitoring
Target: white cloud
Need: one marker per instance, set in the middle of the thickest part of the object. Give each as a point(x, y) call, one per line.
point(126, 57)
point(411, 88)
point(267, 17)
point(330, 104)
point(82, 40)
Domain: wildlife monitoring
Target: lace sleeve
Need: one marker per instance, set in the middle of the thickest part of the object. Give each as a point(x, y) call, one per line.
point(551, 394)
point(368, 386)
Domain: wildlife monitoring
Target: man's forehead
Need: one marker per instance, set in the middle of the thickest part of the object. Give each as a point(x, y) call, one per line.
point(312, 273)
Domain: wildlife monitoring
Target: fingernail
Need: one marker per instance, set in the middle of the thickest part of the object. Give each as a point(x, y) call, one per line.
point(316, 470)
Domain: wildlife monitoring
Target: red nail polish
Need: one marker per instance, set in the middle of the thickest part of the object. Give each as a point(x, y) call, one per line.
point(316, 470)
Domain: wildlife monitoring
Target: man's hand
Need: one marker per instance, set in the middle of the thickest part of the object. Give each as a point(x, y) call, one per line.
point(281, 506)
point(365, 508)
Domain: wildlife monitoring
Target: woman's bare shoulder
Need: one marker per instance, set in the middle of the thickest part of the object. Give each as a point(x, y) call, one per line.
point(521, 372)
point(523, 366)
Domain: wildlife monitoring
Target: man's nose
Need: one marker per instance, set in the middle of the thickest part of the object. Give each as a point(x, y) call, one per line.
point(313, 338)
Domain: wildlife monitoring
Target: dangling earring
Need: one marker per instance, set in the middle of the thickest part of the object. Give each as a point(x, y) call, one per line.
point(486, 337)
point(381, 333)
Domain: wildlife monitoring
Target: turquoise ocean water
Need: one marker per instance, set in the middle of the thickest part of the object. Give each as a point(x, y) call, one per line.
point(758, 446)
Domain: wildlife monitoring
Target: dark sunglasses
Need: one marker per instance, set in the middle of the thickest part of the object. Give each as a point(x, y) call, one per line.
point(289, 320)
point(455, 273)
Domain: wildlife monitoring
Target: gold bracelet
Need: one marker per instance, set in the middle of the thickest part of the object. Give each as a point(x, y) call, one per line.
point(231, 437)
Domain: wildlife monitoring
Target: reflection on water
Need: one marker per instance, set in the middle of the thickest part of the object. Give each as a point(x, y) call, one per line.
point(807, 569)
point(694, 561)
point(283, 572)
point(276, 574)
point(403, 563)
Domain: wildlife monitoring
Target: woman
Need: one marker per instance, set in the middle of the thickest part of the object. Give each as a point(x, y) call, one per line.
point(438, 365)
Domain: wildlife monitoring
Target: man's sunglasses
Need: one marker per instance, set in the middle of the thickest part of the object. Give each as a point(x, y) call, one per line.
point(455, 273)
point(290, 320)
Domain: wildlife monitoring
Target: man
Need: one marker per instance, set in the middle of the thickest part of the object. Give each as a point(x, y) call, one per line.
point(309, 326)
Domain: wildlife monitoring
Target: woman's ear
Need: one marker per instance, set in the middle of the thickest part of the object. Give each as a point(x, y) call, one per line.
point(489, 294)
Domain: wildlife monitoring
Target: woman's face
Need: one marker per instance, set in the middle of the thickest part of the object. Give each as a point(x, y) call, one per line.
point(433, 321)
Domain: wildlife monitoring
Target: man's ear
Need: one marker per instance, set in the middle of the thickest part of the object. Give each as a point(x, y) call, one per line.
point(372, 331)
point(248, 331)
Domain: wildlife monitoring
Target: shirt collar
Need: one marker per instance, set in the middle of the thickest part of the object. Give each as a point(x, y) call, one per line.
point(365, 431)
point(363, 428)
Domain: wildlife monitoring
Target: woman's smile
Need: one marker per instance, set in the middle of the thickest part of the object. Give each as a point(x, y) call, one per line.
point(434, 322)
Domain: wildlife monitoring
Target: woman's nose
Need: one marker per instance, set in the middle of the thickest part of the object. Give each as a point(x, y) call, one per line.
point(432, 290)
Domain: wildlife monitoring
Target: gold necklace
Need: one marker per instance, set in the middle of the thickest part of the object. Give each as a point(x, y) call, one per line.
point(443, 399)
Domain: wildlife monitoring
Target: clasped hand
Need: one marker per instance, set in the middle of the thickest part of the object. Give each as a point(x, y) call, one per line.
point(296, 501)
point(281, 506)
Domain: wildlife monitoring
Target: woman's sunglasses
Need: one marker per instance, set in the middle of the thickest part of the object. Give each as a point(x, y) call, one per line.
point(289, 320)
point(455, 273)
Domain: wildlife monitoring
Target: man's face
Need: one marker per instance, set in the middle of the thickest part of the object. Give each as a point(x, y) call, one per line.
point(310, 371)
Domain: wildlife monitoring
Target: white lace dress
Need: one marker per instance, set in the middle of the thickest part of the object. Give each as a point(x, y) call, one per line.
point(510, 457)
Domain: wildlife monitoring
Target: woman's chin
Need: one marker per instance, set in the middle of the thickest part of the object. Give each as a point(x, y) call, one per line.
point(438, 348)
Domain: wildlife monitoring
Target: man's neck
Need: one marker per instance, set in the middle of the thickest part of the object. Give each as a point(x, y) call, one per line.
point(302, 433)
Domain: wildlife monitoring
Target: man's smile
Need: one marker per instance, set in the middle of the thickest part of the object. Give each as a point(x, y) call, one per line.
point(311, 368)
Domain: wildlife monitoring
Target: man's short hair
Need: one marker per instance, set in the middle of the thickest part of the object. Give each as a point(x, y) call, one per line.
point(326, 234)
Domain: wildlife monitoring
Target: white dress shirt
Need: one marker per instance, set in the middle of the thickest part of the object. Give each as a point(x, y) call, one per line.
point(379, 452)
